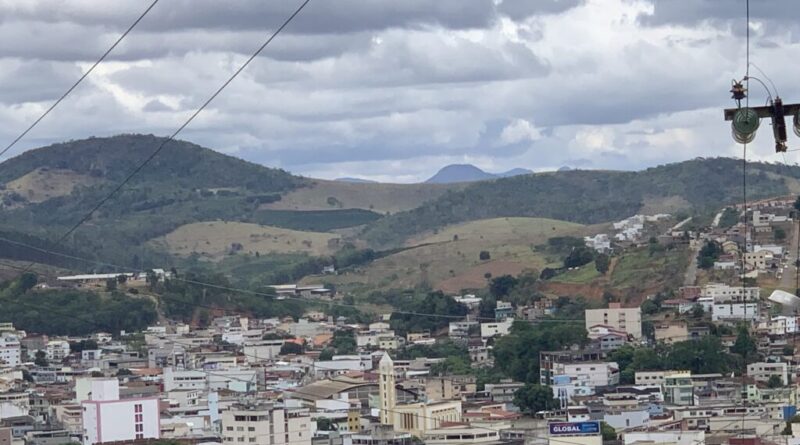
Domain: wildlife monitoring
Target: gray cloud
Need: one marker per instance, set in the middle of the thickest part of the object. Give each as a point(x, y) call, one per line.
point(393, 90)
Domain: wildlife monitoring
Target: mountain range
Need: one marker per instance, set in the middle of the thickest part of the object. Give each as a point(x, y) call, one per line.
point(194, 203)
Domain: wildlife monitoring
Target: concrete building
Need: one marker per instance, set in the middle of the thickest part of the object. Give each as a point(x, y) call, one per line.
point(57, 350)
point(725, 293)
point(496, 328)
point(678, 388)
point(10, 350)
point(734, 312)
point(266, 423)
point(589, 374)
point(762, 371)
point(624, 319)
point(107, 418)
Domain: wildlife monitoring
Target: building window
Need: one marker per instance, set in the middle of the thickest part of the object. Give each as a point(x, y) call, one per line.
point(140, 436)
point(137, 408)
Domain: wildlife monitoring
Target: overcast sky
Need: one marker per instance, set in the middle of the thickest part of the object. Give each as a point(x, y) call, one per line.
point(393, 90)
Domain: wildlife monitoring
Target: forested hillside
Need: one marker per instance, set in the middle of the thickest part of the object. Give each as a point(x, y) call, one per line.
point(588, 197)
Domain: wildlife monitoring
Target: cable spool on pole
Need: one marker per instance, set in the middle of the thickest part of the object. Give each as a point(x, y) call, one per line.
point(745, 123)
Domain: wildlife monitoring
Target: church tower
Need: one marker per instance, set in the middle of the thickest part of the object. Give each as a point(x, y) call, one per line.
point(387, 395)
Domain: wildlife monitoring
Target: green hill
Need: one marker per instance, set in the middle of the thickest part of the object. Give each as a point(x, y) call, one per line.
point(589, 197)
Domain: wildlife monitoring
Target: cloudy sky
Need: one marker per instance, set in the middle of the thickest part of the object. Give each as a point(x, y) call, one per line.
point(393, 90)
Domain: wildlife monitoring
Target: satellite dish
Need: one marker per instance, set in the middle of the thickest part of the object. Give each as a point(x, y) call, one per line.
point(785, 298)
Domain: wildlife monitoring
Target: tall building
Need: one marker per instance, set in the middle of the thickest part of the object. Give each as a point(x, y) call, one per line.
point(266, 423)
point(9, 350)
point(617, 317)
point(387, 392)
point(107, 418)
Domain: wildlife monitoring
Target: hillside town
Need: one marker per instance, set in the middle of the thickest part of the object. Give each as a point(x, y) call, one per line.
point(713, 361)
point(441, 222)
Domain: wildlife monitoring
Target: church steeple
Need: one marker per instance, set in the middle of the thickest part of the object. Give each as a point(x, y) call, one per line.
point(387, 394)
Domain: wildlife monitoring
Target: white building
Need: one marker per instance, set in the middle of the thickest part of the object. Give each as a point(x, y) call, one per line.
point(722, 293)
point(14, 404)
point(107, 418)
point(588, 374)
point(600, 242)
point(9, 351)
point(496, 328)
point(734, 311)
point(266, 424)
point(255, 351)
point(57, 350)
point(184, 379)
point(615, 316)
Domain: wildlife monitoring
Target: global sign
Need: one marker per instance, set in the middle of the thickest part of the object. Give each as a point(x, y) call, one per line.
point(571, 428)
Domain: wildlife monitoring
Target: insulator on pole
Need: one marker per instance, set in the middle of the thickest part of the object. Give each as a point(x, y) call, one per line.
point(744, 125)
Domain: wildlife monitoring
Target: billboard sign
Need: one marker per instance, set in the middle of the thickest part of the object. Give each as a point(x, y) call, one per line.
point(574, 428)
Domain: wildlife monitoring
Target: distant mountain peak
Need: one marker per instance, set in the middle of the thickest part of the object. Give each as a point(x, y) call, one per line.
point(356, 180)
point(469, 173)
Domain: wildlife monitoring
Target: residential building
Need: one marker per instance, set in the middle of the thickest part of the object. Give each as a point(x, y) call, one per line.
point(10, 350)
point(503, 310)
point(628, 320)
point(266, 423)
point(496, 328)
point(57, 350)
point(107, 418)
point(762, 371)
point(589, 374)
point(721, 312)
point(678, 388)
point(725, 293)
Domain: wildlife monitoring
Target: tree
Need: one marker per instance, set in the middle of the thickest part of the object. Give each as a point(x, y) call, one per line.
point(516, 355)
point(484, 255)
point(124, 371)
point(775, 381)
point(745, 345)
point(344, 342)
point(579, 256)
point(41, 359)
point(697, 311)
point(501, 286)
point(608, 432)
point(291, 348)
point(779, 234)
point(326, 354)
point(601, 263)
point(533, 398)
point(111, 285)
point(649, 307)
point(708, 255)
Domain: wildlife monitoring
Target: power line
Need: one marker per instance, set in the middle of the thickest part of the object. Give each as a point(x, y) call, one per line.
point(164, 142)
point(80, 79)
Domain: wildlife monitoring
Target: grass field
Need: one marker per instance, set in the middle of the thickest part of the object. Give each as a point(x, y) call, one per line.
point(214, 240)
point(449, 260)
point(381, 198)
point(586, 274)
point(42, 184)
